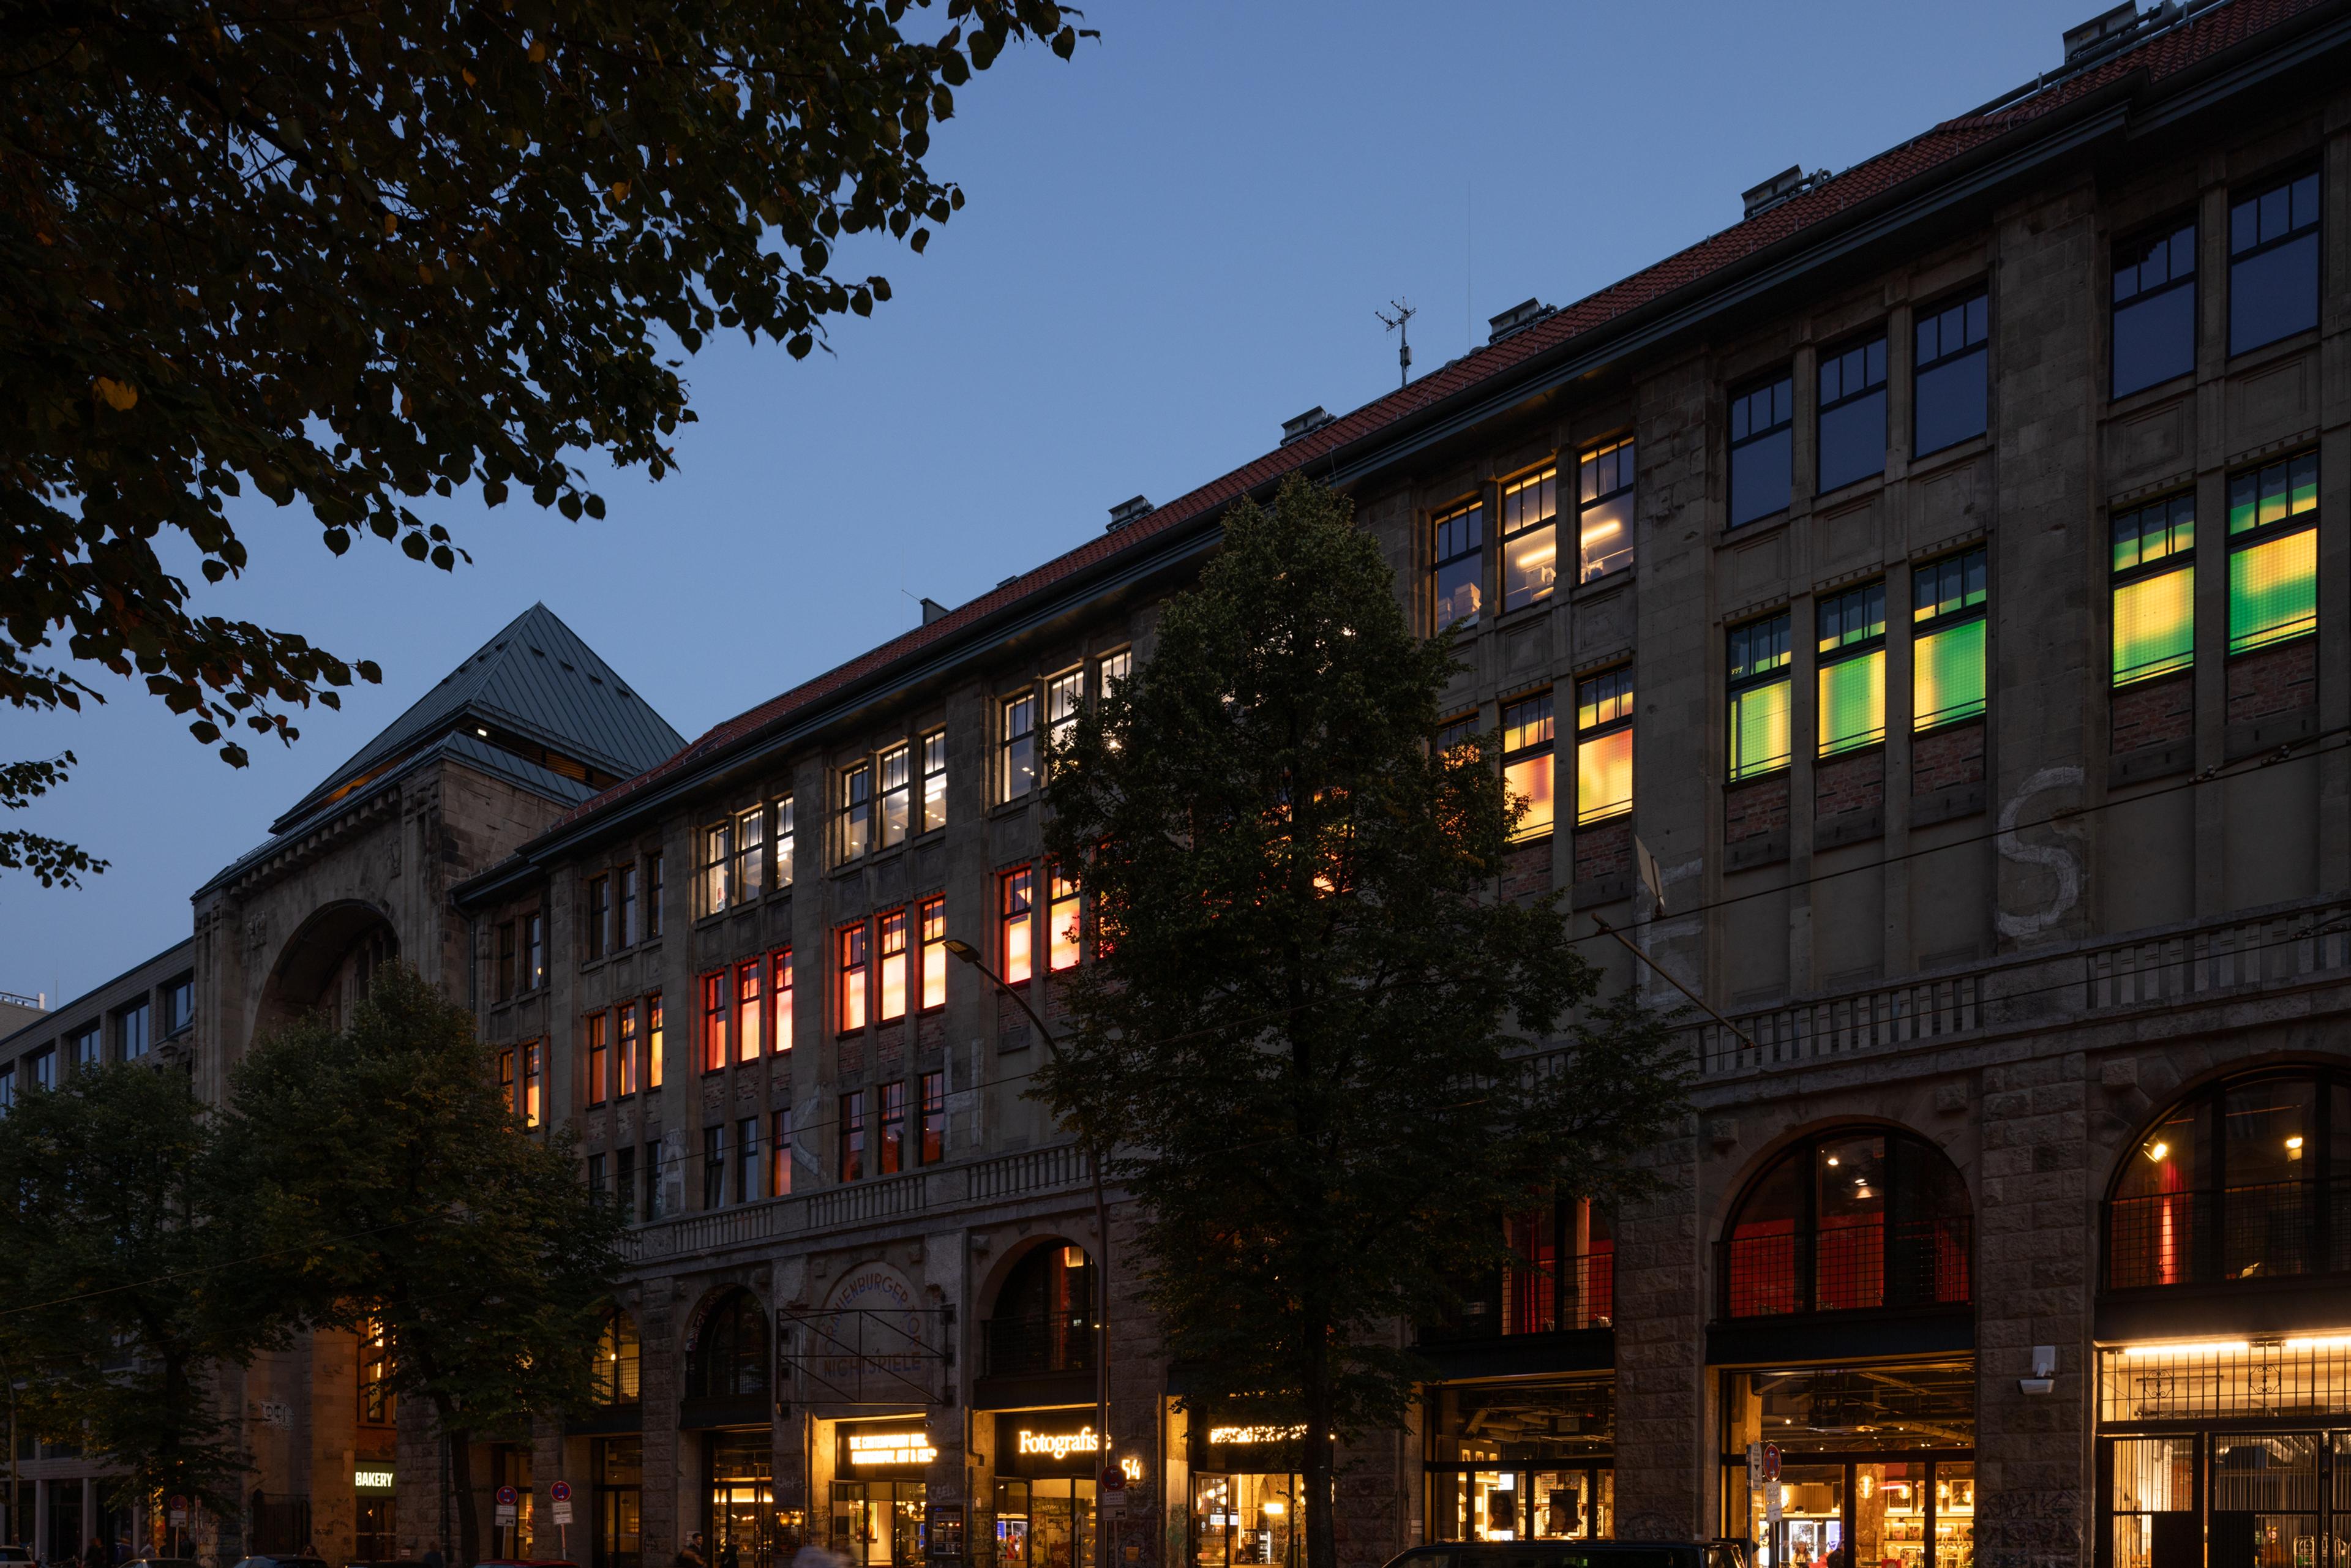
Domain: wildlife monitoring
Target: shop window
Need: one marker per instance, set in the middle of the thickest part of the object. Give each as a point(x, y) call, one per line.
point(896, 765)
point(1456, 566)
point(2274, 553)
point(779, 986)
point(856, 811)
point(1043, 1319)
point(1604, 746)
point(1762, 450)
point(1016, 901)
point(1523, 1460)
point(1603, 522)
point(718, 860)
point(1017, 772)
point(2274, 264)
point(1947, 640)
point(2154, 310)
point(1850, 668)
point(787, 845)
point(935, 781)
point(2154, 590)
point(1527, 730)
point(378, 1405)
point(1854, 1220)
point(2242, 1183)
point(1760, 685)
point(1530, 540)
point(749, 1009)
point(1852, 426)
point(599, 1058)
point(1949, 396)
point(715, 1038)
point(851, 985)
point(852, 1135)
point(729, 1353)
point(933, 916)
point(614, 1378)
point(891, 992)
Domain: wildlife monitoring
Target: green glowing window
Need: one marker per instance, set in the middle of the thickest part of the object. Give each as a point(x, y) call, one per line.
point(1760, 656)
point(2273, 553)
point(1946, 651)
point(2153, 551)
point(1852, 672)
point(1604, 746)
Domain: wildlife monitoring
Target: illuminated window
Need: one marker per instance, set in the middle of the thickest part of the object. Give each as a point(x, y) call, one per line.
point(1947, 647)
point(599, 1058)
point(1762, 450)
point(1527, 730)
point(624, 907)
point(787, 842)
point(1530, 539)
point(379, 1407)
point(1852, 445)
point(1949, 401)
point(619, 1359)
point(890, 1155)
point(1065, 693)
point(1603, 527)
point(599, 915)
point(1112, 670)
point(1018, 919)
point(1457, 566)
point(1064, 920)
point(1852, 668)
point(849, 969)
point(779, 987)
point(2153, 588)
point(654, 1040)
point(625, 1060)
point(750, 855)
point(893, 966)
point(748, 1009)
point(713, 1022)
point(779, 1153)
point(717, 860)
point(856, 811)
point(931, 1118)
point(1455, 733)
point(2274, 264)
point(852, 1135)
point(1759, 690)
point(534, 1076)
point(933, 918)
point(1604, 746)
point(897, 792)
point(2274, 553)
point(934, 780)
point(1018, 775)
point(2155, 310)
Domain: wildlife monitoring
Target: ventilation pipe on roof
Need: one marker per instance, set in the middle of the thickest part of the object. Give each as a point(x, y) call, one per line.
point(1133, 509)
point(933, 610)
point(1784, 186)
point(1516, 318)
point(1304, 425)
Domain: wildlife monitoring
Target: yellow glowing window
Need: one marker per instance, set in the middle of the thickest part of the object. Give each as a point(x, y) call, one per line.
point(1759, 731)
point(1604, 746)
point(1852, 703)
point(2149, 534)
point(1527, 733)
point(1947, 676)
point(1529, 550)
point(2273, 590)
point(2273, 493)
point(2155, 625)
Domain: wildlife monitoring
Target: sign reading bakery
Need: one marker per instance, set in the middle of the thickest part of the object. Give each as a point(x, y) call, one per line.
point(1047, 1443)
point(899, 1448)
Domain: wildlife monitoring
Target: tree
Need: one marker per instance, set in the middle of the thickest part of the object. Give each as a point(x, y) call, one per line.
point(128, 1288)
point(383, 1151)
point(1320, 1045)
point(350, 255)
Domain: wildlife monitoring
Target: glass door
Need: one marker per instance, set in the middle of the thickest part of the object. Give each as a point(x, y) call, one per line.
point(2265, 1502)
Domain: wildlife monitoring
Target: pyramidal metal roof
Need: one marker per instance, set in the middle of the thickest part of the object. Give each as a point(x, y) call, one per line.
point(534, 678)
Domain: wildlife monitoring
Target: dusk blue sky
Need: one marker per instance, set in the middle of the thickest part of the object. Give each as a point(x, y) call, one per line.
point(1173, 243)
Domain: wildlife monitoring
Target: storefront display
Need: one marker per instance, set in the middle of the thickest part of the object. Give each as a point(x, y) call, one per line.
point(742, 1498)
point(878, 1494)
point(620, 1465)
point(1877, 1464)
point(1246, 1500)
point(1046, 1464)
point(1528, 1460)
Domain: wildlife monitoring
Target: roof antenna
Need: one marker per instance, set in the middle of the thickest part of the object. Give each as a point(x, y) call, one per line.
point(1395, 324)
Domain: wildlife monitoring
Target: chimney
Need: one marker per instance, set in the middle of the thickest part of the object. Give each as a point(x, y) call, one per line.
point(933, 610)
point(1516, 318)
point(1785, 185)
point(1304, 425)
point(2110, 30)
point(1133, 509)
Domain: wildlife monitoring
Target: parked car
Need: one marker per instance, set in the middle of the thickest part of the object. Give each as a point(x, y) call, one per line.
point(1574, 1554)
point(12, 1555)
point(162, 1562)
point(288, 1560)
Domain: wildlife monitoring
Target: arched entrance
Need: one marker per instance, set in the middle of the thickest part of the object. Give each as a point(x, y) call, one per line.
point(326, 965)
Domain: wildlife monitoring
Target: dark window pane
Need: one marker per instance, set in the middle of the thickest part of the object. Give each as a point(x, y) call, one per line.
point(1951, 402)
point(1760, 474)
point(2273, 294)
point(1852, 441)
point(2155, 338)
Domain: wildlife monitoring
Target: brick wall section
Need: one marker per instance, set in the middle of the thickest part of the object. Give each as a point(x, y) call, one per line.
point(1606, 849)
point(1526, 870)
point(1946, 758)
point(2273, 680)
point(1843, 784)
point(2154, 713)
point(1751, 810)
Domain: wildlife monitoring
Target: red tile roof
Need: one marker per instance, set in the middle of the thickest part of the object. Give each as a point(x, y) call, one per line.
point(2164, 54)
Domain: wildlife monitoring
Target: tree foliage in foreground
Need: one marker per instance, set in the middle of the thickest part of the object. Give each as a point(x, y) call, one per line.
point(129, 1286)
point(349, 255)
point(1329, 1058)
point(383, 1150)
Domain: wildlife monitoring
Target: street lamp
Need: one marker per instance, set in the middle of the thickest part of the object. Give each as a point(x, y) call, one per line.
point(965, 953)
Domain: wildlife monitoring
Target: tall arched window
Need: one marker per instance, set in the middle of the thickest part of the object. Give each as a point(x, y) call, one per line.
point(1854, 1219)
point(2244, 1180)
point(1044, 1317)
point(614, 1372)
point(730, 1354)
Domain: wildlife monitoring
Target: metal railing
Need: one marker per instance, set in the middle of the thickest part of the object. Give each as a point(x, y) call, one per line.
point(2275, 1230)
point(1029, 1345)
point(1847, 1268)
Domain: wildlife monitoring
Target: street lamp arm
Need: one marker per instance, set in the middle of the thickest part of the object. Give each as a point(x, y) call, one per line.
point(965, 953)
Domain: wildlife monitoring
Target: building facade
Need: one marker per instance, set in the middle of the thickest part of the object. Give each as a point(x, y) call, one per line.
point(2013, 1220)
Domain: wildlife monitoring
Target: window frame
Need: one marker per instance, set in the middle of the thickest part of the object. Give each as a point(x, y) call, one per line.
point(784, 843)
point(1741, 405)
point(782, 1000)
point(1604, 728)
point(1931, 621)
point(2314, 231)
point(746, 1159)
point(1471, 514)
point(780, 1152)
point(852, 957)
point(1759, 677)
point(853, 814)
point(1824, 406)
point(890, 964)
point(627, 1048)
point(1545, 750)
point(534, 951)
point(596, 1053)
point(179, 1007)
point(746, 877)
point(534, 1083)
point(624, 1183)
point(1963, 301)
point(1541, 483)
point(930, 1135)
point(717, 1039)
point(2261, 536)
point(1017, 769)
point(1021, 922)
point(1065, 701)
point(595, 910)
point(890, 1128)
point(1867, 647)
point(2142, 245)
point(85, 1047)
point(931, 748)
point(714, 1166)
point(1626, 453)
point(851, 1137)
point(893, 762)
point(931, 937)
point(2175, 559)
point(715, 860)
point(654, 1040)
point(750, 1004)
point(653, 895)
point(624, 907)
point(1065, 947)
